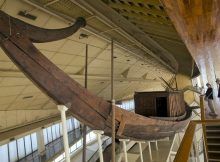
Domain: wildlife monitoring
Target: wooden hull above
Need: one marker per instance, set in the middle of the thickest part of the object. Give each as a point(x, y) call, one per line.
point(86, 107)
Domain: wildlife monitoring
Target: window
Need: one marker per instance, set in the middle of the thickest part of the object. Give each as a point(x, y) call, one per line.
point(34, 141)
point(28, 148)
point(53, 128)
point(57, 127)
point(13, 151)
point(21, 149)
point(45, 136)
point(79, 144)
point(4, 153)
point(49, 133)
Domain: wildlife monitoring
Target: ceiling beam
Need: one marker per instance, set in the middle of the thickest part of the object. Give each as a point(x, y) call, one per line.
point(142, 39)
point(97, 77)
point(154, 24)
point(144, 18)
point(146, 2)
point(144, 10)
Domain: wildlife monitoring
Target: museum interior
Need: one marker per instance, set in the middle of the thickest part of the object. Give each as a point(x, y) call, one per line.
point(109, 81)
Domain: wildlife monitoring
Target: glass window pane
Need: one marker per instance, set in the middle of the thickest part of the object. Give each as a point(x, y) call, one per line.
point(57, 130)
point(45, 136)
point(61, 129)
point(73, 148)
point(67, 125)
point(49, 134)
point(79, 143)
point(34, 141)
point(73, 124)
point(54, 132)
point(28, 144)
point(70, 124)
point(21, 149)
point(13, 151)
point(4, 153)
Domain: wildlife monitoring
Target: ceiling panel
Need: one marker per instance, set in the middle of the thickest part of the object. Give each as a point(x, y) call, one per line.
point(50, 46)
point(10, 90)
point(62, 59)
point(72, 47)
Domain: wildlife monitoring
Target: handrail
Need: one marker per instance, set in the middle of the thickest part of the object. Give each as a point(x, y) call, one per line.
point(105, 143)
point(204, 127)
point(185, 146)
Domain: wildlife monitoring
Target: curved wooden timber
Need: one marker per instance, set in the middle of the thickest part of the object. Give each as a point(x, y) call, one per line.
point(16, 40)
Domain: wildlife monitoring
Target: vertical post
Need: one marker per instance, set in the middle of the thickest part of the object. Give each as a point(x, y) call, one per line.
point(113, 101)
point(140, 149)
point(171, 148)
point(202, 107)
point(84, 126)
point(150, 153)
point(156, 145)
point(99, 133)
point(40, 142)
point(125, 148)
point(63, 110)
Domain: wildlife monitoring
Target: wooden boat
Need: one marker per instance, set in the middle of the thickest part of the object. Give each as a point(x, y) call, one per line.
point(16, 40)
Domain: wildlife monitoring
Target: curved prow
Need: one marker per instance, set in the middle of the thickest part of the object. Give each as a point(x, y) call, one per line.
point(34, 33)
point(40, 35)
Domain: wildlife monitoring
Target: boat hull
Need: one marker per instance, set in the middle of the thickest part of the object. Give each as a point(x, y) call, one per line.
point(83, 105)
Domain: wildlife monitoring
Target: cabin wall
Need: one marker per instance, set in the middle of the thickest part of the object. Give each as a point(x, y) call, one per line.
point(177, 105)
point(145, 104)
point(182, 82)
point(163, 104)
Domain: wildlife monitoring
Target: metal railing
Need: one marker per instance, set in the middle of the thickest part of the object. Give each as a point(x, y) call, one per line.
point(55, 147)
point(105, 144)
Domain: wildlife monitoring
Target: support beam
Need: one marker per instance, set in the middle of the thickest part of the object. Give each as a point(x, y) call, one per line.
point(40, 142)
point(124, 148)
point(63, 110)
point(84, 126)
point(140, 149)
point(150, 152)
point(113, 101)
point(99, 134)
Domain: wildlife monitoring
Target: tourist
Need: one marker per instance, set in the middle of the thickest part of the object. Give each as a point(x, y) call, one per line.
point(209, 98)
